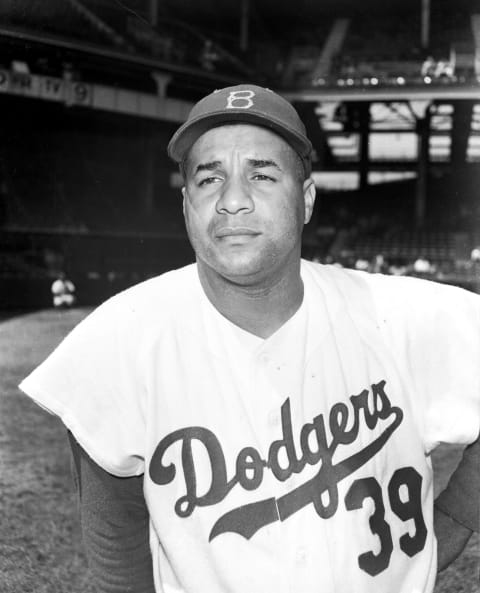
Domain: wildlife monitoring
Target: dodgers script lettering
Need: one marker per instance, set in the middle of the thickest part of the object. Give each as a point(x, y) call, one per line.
point(317, 446)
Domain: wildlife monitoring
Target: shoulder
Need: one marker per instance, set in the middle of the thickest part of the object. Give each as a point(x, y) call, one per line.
point(348, 278)
point(347, 284)
point(149, 304)
point(391, 295)
point(172, 288)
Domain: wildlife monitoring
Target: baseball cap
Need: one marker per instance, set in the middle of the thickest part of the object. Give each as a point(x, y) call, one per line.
point(244, 103)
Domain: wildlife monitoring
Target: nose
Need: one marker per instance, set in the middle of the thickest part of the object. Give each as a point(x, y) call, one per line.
point(235, 197)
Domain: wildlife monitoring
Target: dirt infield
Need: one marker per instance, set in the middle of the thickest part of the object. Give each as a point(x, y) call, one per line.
point(40, 541)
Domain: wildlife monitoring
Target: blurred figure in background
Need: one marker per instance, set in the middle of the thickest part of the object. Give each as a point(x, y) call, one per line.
point(63, 292)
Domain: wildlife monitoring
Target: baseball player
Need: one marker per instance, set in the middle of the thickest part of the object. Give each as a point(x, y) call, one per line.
point(63, 292)
point(257, 423)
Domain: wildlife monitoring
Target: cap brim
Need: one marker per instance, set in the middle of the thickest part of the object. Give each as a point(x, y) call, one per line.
point(190, 131)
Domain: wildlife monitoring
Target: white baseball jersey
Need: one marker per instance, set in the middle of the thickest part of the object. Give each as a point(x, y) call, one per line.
point(299, 463)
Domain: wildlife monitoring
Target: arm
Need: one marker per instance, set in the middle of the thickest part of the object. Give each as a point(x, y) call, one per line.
point(456, 512)
point(115, 525)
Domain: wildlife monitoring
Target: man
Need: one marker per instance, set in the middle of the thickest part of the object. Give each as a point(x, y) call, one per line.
point(259, 423)
point(63, 291)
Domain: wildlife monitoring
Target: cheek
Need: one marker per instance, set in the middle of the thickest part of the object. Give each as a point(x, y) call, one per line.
point(197, 221)
point(289, 216)
point(192, 212)
point(191, 219)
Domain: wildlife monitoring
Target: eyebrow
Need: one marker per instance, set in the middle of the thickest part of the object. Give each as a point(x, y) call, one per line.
point(254, 163)
point(262, 163)
point(207, 166)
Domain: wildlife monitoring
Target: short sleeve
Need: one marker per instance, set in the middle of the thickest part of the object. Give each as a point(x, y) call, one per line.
point(435, 333)
point(91, 381)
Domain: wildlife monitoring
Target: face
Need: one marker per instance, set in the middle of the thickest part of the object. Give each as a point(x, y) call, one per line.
point(245, 204)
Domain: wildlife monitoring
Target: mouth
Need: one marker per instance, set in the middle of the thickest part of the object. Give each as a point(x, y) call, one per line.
point(236, 232)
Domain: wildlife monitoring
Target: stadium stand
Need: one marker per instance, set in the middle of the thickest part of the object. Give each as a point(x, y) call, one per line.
point(381, 50)
point(57, 17)
point(92, 193)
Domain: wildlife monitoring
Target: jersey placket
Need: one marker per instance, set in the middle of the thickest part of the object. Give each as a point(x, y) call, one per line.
point(303, 535)
point(289, 366)
point(280, 370)
point(264, 406)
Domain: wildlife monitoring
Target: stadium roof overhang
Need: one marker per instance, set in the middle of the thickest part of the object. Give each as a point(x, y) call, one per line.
point(270, 16)
point(398, 93)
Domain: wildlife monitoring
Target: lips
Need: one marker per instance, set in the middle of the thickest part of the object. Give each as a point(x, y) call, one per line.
point(235, 232)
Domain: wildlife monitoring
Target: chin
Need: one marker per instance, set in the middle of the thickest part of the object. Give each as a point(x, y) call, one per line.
point(245, 266)
point(240, 270)
point(243, 270)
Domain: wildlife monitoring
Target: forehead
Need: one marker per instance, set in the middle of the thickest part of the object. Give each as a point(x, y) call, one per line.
point(243, 139)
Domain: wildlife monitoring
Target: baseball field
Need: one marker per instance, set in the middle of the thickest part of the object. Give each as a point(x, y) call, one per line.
point(40, 539)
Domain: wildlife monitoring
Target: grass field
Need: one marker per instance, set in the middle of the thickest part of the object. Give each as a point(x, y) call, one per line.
point(40, 540)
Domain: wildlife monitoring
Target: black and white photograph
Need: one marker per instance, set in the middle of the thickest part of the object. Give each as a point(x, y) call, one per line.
point(239, 296)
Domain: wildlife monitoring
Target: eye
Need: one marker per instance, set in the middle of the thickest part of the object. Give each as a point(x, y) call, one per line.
point(208, 180)
point(262, 177)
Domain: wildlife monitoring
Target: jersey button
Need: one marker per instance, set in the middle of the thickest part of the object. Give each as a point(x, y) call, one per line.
point(274, 418)
point(301, 556)
point(264, 359)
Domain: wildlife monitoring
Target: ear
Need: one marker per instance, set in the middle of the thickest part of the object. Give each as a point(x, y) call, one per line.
point(184, 194)
point(309, 193)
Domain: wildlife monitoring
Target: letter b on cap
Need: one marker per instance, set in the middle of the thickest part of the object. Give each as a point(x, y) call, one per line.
point(240, 100)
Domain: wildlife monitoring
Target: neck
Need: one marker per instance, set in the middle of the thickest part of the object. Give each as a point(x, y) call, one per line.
point(260, 308)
